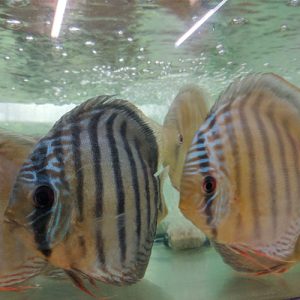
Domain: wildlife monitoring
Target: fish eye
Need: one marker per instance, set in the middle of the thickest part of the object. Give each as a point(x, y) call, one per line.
point(209, 184)
point(180, 138)
point(43, 197)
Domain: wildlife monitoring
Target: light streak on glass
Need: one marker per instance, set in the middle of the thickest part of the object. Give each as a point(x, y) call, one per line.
point(199, 23)
point(58, 18)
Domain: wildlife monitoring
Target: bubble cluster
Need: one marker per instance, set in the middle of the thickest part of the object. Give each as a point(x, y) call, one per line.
point(128, 50)
point(17, 3)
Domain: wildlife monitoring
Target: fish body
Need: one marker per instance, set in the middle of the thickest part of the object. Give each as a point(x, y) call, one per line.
point(240, 183)
point(88, 197)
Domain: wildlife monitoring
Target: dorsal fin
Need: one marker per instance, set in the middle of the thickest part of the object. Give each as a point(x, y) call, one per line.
point(100, 103)
point(125, 110)
point(270, 82)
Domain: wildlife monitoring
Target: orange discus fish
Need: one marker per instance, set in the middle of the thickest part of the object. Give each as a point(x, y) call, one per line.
point(241, 178)
point(187, 112)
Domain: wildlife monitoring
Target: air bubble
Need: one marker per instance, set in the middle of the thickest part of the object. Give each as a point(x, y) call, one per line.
point(74, 29)
point(13, 24)
point(89, 43)
point(238, 21)
point(284, 27)
point(293, 3)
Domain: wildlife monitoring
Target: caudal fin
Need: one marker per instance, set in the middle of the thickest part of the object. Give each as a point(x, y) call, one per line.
point(187, 112)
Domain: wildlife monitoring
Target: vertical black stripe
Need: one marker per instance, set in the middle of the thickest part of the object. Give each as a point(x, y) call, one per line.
point(76, 143)
point(148, 136)
point(271, 176)
point(96, 155)
point(146, 180)
point(230, 132)
point(135, 181)
point(283, 159)
point(295, 155)
point(252, 167)
point(118, 185)
point(58, 152)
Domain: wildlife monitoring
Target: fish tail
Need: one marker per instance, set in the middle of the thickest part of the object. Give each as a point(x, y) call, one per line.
point(187, 112)
point(16, 288)
point(263, 254)
point(266, 269)
point(78, 282)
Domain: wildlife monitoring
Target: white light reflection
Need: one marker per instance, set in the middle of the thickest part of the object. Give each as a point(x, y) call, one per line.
point(58, 17)
point(199, 23)
point(50, 113)
point(36, 113)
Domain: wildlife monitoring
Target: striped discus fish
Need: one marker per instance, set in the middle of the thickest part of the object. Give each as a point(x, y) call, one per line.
point(240, 183)
point(87, 199)
point(87, 196)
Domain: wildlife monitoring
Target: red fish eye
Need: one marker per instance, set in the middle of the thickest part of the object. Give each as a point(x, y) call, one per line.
point(209, 184)
point(43, 197)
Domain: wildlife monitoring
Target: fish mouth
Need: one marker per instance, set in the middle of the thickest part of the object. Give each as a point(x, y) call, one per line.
point(9, 218)
point(11, 223)
point(246, 259)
